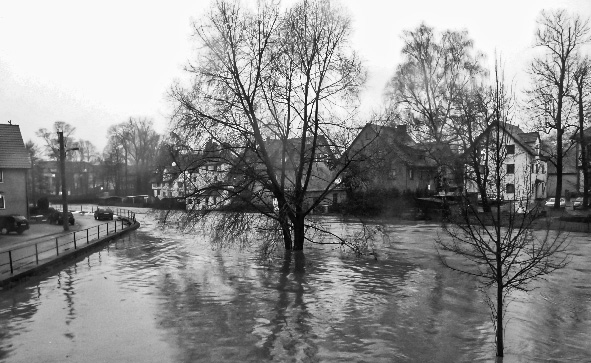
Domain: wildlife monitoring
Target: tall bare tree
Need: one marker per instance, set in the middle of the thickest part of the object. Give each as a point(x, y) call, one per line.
point(501, 248)
point(275, 90)
point(559, 35)
point(434, 84)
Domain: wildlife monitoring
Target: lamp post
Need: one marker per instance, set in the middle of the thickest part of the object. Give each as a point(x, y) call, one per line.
point(65, 219)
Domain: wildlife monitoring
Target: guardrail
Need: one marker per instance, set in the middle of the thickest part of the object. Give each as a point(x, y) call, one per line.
point(39, 252)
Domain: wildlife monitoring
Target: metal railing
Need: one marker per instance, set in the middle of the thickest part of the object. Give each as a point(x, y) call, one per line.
point(36, 253)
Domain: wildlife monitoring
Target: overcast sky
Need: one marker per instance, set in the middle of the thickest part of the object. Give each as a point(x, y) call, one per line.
point(94, 64)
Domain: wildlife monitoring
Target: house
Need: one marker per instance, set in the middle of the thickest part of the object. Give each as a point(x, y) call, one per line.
point(523, 170)
point(571, 177)
point(14, 165)
point(580, 184)
point(386, 158)
point(285, 157)
point(82, 178)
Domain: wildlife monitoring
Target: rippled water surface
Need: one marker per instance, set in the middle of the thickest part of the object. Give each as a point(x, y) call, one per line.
point(161, 296)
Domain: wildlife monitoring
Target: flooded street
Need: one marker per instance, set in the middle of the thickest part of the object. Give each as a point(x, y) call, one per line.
point(159, 296)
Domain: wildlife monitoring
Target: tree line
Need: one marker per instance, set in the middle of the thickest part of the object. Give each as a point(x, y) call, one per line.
point(133, 144)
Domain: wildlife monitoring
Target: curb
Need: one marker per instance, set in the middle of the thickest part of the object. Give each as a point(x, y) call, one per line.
point(12, 280)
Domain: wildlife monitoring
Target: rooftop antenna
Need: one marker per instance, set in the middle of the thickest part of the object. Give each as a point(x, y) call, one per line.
point(10, 122)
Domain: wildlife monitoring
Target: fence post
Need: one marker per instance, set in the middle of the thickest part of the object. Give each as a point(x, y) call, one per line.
point(115, 226)
point(57, 249)
point(74, 240)
point(107, 228)
point(87, 240)
point(98, 232)
point(10, 258)
point(36, 255)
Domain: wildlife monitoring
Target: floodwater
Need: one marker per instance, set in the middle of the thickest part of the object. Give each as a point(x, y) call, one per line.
point(162, 296)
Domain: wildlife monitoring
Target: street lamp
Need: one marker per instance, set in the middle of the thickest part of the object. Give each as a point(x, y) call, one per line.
point(63, 150)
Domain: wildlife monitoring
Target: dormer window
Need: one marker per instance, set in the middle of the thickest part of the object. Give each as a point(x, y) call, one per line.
point(510, 149)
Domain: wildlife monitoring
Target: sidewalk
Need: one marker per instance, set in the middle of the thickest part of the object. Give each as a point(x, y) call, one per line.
point(44, 245)
point(42, 231)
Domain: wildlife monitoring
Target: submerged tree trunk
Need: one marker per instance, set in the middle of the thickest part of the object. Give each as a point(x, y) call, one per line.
point(298, 233)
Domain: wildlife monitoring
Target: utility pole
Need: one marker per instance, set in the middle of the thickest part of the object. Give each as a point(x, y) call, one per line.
point(65, 219)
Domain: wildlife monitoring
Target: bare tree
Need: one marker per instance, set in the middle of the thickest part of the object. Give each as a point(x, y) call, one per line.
point(52, 148)
point(275, 91)
point(501, 248)
point(35, 176)
point(136, 143)
point(560, 35)
point(581, 96)
point(433, 85)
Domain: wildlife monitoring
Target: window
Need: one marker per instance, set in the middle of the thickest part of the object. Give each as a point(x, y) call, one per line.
point(510, 168)
point(2, 203)
point(1, 176)
point(410, 174)
point(510, 149)
point(335, 198)
point(510, 188)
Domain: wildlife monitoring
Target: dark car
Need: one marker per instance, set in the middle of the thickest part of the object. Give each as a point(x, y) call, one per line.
point(578, 203)
point(58, 218)
point(103, 213)
point(13, 223)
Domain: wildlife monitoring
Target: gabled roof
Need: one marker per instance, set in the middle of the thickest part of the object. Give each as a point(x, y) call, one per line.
point(13, 154)
point(394, 141)
point(525, 139)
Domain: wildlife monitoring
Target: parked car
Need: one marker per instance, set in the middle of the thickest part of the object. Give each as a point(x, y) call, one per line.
point(578, 203)
point(550, 202)
point(56, 217)
point(103, 213)
point(13, 223)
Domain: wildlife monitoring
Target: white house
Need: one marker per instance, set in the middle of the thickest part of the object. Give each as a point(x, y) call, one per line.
point(523, 172)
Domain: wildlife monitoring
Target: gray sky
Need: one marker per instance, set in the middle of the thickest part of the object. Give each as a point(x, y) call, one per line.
point(94, 64)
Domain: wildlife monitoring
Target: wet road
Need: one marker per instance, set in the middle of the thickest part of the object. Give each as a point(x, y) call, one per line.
point(162, 296)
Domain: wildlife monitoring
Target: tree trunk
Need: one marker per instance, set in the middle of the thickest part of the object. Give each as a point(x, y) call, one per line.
point(499, 337)
point(298, 234)
point(558, 168)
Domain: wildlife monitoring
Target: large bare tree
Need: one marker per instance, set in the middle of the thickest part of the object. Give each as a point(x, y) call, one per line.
point(275, 89)
point(559, 36)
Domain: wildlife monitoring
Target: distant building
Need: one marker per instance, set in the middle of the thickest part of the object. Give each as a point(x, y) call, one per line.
point(15, 162)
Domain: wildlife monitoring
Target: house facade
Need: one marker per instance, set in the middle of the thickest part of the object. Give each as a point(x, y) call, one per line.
point(387, 158)
point(523, 172)
point(15, 162)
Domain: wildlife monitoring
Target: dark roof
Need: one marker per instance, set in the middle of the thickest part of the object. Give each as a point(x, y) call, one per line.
point(13, 154)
